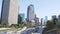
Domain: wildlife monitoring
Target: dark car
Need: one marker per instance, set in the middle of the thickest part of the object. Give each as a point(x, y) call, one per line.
point(36, 29)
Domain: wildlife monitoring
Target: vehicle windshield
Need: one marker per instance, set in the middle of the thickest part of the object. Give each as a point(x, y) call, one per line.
point(29, 16)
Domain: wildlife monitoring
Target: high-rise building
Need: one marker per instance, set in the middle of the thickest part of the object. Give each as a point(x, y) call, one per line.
point(30, 13)
point(9, 11)
point(41, 21)
point(58, 22)
point(23, 16)
point(54, 17)
point(59, 16)
point(36, 20)
point(45, 20)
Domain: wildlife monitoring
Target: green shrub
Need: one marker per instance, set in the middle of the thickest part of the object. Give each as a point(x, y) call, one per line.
point(4, 24)
point(14, 26)
point(17, 25)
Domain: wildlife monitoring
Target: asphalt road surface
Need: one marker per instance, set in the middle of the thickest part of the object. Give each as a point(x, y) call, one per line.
point(38, 30)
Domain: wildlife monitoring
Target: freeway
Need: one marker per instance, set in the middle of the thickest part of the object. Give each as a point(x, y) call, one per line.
point(28, 31)
point(37, 30)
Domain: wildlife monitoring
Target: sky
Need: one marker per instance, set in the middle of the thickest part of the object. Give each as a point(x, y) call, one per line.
point(42, 8)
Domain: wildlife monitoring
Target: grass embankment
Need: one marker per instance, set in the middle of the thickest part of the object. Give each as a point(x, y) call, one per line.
point(13, 27)
point(52, 31)
point(6, 30)
point(58, 30)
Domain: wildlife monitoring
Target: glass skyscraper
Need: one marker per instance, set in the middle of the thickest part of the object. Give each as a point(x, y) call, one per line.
point(23, 16)
point(30, 13)
point(45, 20)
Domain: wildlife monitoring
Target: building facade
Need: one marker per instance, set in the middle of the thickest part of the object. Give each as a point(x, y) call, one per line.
point(58, 22)
point(23, 16)
point(45, 20)
point(59, 16)
point(9, 12)
point(54, 17)
point(30, 13)
point(37, 21)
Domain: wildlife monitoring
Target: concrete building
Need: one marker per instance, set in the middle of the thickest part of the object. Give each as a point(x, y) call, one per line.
point(59, 16)
point(42, 23)
point(54, 17)
point(9, 12)
point(30, 13)
point(58, 22)
point(36, 20)
point(33, 23)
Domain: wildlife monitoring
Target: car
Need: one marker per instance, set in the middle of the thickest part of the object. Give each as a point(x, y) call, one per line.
point(36, 29)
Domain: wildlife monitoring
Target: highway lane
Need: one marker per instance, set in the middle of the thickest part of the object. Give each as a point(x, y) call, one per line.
point(38, 30)
point(28, 31)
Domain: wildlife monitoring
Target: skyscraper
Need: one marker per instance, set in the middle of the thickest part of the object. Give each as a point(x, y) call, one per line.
point(41, 21)
point(59, 16)
point(54, 18)
point(23, 16)
point(45, 20)
point(58, 22)
point(9, 12)
point(30, 13)
point(36, 20)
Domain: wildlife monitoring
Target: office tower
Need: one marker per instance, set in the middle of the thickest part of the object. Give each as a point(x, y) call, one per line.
point(58, 22)
point(9, 11)
point(41, 21)
point(45, 20)
point(36, 20)
point(59, 16)
point(54, 18)
point(0, 19)
point(30, 13)
point(22, 16)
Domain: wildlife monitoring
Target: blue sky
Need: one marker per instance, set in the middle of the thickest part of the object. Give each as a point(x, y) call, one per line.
point(42, 8)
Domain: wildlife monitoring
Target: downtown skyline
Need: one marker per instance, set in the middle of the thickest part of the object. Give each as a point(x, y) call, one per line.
point(42, 8)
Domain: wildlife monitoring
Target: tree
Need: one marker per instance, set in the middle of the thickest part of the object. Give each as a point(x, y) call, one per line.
point(19, 19)
point(4, 24)
point(14, 25)
point(54, 20)
point(50, 24)
point(58, 23)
